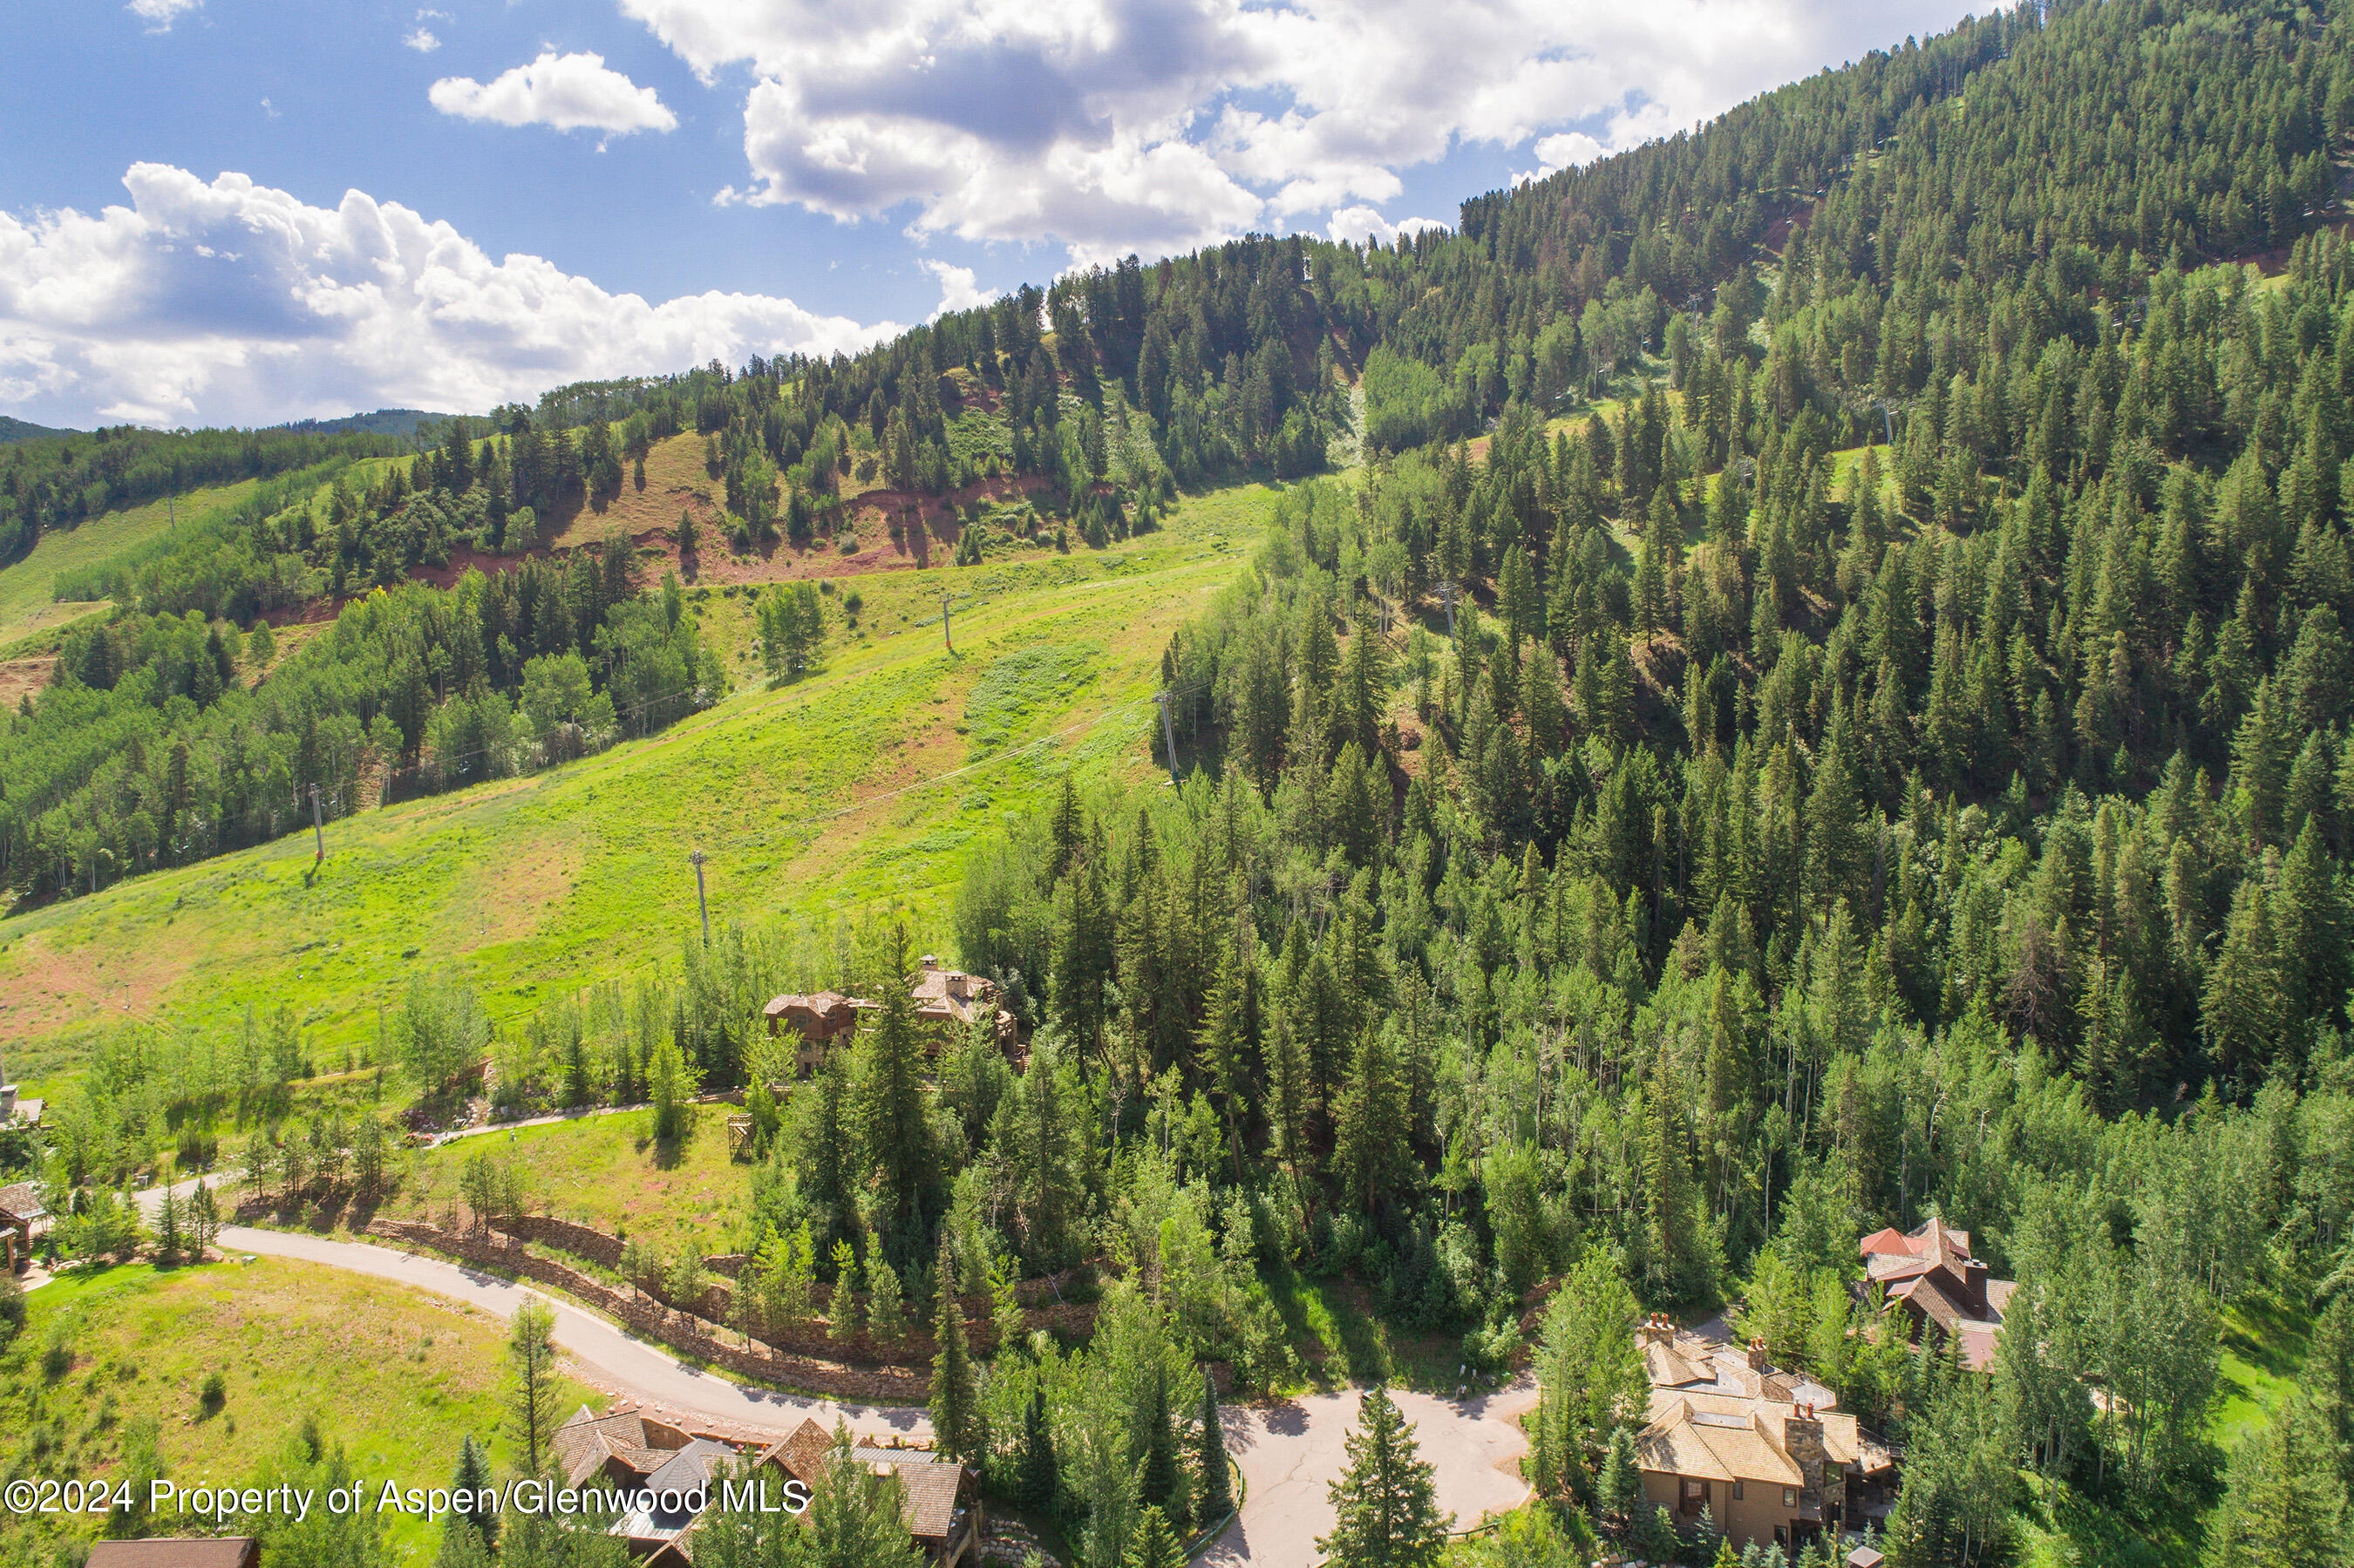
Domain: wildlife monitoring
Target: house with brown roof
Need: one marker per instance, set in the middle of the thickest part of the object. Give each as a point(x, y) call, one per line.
point(1943, 1291)
point(178, 1552)
point(946, 999)
point(1761, 1451)
point(20, 1209)
point(821, 1020)
point(950, 996)
point(940, 1500)
point(620, 1448)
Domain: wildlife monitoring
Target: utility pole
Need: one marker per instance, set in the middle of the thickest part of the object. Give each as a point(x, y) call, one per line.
point(949, 640)
point(1168, 734)
point(318, 829)
point(702, 903)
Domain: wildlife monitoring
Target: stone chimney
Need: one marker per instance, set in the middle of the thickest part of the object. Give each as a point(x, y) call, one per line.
point(1802, 1434)
point(1655, 1330)
point(1757, 1355)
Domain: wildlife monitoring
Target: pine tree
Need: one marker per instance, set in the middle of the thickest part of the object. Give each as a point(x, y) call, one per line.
point(955, 1403)
point(2284, 1505)
point(169, 1239)
point(887, 1316)
point(1388, 1517)
point(1211, 1467)
point(829, 1148)
point(1671, 1221)
point(535, 1404)
point(892, 1123)
point(1039, 1480)
point(1161, 1479)
point(842, 1317)
point(673, 1089)
point(1619, 1487)
point(1154, 1544)
point(2311, 924)
point(472, 1477)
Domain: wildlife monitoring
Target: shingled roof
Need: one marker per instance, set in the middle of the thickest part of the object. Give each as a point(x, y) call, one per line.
point(585, 1442)
point(1717, 1446)
point(927, 1489)
point(181, 1552)
point(803, 1454)
point(1931, 1270)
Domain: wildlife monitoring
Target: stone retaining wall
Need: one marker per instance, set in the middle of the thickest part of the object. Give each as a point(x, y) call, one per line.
point(689, 1334)
point(592, 1244)
point(1041, 1299)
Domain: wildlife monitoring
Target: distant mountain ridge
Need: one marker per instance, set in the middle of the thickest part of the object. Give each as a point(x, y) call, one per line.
point(402, 422)
point(23, 430)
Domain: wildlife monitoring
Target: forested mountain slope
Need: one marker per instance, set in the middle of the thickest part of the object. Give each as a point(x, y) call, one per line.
point(1634, 830)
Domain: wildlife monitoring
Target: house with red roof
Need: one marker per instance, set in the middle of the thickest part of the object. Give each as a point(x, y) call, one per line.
point(1944, 1292)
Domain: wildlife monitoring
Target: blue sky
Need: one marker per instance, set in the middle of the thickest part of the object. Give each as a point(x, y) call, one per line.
point(240, 211)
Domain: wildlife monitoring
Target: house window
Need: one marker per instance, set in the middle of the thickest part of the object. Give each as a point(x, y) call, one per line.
point(1736, 1491)
point(1789, 1497)
point(1695, 1494)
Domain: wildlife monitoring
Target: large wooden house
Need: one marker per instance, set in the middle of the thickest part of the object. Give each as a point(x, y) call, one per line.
point(940, 1500)
point(1942, 1290)
point(1761, 1451)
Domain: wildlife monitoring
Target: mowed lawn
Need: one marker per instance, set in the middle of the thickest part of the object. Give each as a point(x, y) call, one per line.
point(604, 1170)
point(815, 798)
point(397, 1377)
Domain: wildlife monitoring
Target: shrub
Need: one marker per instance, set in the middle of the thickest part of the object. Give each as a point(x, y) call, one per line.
point(57, 1353)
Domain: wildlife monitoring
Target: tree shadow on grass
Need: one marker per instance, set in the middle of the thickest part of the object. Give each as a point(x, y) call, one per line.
point(2277, 1346)
point(1326, 1321)
point(667, 1153)
point(2093, 1526)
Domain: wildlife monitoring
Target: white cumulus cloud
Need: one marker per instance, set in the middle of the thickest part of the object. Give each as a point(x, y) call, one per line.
point(568, 91)
point(233, 303)
point(1570, 150)
point(1356, 224)
point(159, 14)
point(422, 40)
point(1155, 124)
point(958, 291)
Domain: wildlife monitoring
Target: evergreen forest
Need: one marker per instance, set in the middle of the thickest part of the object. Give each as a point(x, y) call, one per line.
point(1798, 681)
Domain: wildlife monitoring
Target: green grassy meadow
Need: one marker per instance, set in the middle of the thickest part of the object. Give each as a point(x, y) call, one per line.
point(810, 798)
point(605, 1170)
point(26, 606)
point(398, 1377)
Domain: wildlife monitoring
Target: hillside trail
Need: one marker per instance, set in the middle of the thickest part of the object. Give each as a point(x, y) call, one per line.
point(1288, 1454)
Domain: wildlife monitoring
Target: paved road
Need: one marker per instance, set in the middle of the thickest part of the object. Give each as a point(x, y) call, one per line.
point(607, 1356)
point(1289, 1454)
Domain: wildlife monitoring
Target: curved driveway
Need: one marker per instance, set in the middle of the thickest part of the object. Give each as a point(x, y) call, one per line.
point(1288, 1454)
